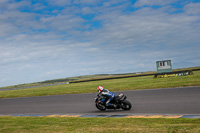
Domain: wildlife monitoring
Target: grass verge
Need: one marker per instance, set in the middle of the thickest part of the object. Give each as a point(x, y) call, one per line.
point(97, 125)
point(134, 83)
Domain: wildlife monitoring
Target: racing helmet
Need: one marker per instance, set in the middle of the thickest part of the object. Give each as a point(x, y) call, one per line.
point(100, 88)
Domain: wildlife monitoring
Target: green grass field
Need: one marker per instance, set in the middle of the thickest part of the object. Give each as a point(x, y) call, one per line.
point(133, 83)
point(101, 125)
point(97, 125)
point(89, 77)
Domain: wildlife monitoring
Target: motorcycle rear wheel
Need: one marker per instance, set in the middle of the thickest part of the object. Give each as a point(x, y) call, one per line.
point(100, 107)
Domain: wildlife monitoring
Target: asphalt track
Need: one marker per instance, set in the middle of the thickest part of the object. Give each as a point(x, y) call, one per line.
point(171, 101)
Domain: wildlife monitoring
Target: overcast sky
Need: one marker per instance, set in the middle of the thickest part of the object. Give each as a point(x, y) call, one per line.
point(50, 39)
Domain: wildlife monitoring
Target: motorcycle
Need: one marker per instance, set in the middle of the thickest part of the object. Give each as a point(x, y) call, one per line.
point(120, 102)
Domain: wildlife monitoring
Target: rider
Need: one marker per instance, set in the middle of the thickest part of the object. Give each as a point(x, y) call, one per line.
point(107, 94)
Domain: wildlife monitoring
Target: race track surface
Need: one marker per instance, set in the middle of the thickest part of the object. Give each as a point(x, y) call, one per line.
point(154, 101)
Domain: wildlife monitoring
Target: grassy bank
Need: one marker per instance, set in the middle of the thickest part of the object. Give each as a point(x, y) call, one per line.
point(134, 83)
point(92, 77)
point(97, 125)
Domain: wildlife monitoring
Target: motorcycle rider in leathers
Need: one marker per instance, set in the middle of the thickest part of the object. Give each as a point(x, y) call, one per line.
point(106, 93)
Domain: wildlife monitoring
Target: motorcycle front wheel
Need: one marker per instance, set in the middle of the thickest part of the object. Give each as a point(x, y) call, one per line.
point(126, 105)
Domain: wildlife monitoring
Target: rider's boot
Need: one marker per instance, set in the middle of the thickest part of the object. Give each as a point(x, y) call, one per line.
point(113, 105)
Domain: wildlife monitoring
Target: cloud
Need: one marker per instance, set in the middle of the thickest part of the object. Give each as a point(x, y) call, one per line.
point(59, 39)
point(146, 27)
point(192, 8)
point(59, 2)
point(63, 3)
point(87, 2)
point(18, 5)
point(141, 3)
point(63, 22)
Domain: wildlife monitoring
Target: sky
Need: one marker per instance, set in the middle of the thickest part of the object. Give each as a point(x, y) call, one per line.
point(50, 39)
